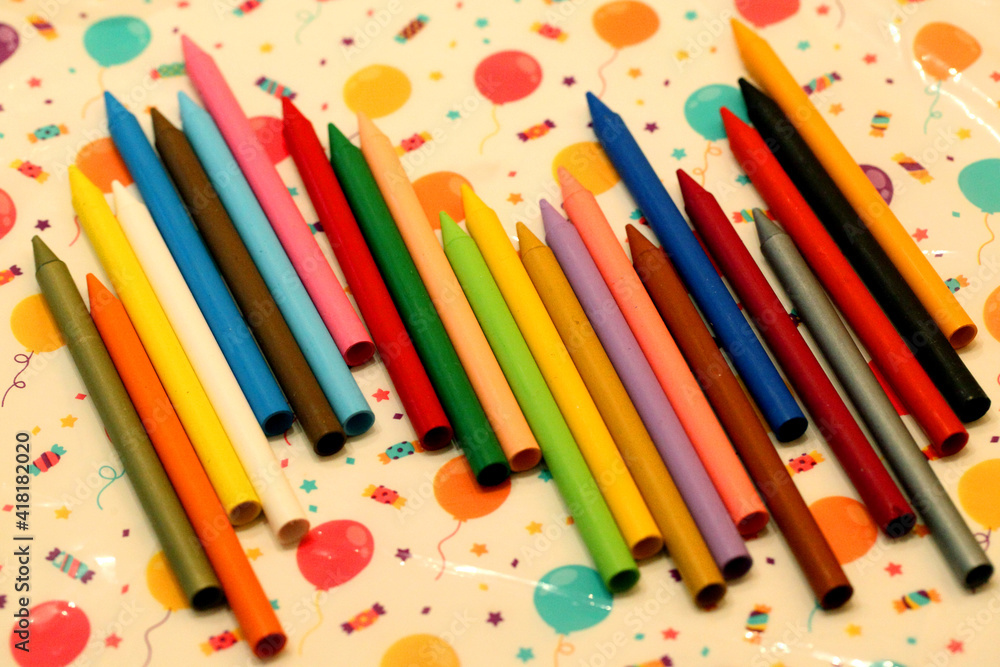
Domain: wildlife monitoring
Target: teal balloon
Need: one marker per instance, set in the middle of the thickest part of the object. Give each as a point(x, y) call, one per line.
point(701, 110)
point(980, 183)
point(572, 598)
point(116, 40)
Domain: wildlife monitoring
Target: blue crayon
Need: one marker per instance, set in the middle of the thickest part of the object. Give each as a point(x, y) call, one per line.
point(181, 236)
point(301, 315)
point(703, 282)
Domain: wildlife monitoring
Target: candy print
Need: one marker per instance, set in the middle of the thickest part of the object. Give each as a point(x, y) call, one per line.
point(399, 451)
point(47, 132)
point(168, 70)
point(536, 131)
point(880, 123)
point(46, 460)
point(821, 83)
point(221, 641)
point(70, 565)
point(413, 142)
point(757, 623)
point(363, 619)
point(411, 29)
point(384, 495)
point(804, 462)
point(272, 87)
point(915, 600)
point(30, 170)
point(550, 31)
point(8, 275)
point(247, 7)
point(44, 28)
point(662, 661)
point(914, 168)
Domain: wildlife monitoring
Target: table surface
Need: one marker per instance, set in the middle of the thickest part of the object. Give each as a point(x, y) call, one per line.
point(455, 583)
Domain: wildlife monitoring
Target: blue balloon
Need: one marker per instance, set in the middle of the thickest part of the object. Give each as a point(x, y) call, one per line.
point(116, 40)
point(980, 183)
point(572, 598)
point(702, 109)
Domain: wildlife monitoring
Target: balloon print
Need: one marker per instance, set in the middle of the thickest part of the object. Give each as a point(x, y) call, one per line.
point(421, 650)
point(944, 50)
point(701, 111)
point(163, 584)
point(880, 180)
point(377, 90)
point(620, 24)
point(458, 493)
point(980, 183)
point(33, 326)
point(59, 631)
point(441, 191)
point(8, 213)
point(334, 553)
point(507, 76)
point(8, 42)
point(762, 13)
point(589, 164)
point(101, 163)
point(269, 134)
point(846, 525)
point(116, 40)
point(572, 598)
point(977, 493)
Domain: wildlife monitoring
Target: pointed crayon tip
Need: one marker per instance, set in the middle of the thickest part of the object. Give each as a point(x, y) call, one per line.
point(288, 109)
point(637, 242)
point(112, 106)
point(42, 253)
point(189, 48)
point(122, 197)
point(731, 121)
point(81, 186)
point(188, 107)
point(596, 106)
point(526, 240)
point(567, 183)
point(740, 30)
point(470, 199)
point(98, 295)
point(367, 130)
point(766, 228)
point(449, 228)
point(689, 187)
point(551, 218)
point(746, 87)
point(161, 125)
point(337, 138)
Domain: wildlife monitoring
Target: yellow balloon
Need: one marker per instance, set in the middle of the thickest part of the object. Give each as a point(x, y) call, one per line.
point(589, 164)
point(979, 493)
point(163, 584)
point(33, 326)
point(625, 22)
point(376, 90)
point(420, 651)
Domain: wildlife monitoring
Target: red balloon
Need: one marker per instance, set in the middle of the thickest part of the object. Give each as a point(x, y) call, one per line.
point(59, 632)
point(765, 12)
point(508, 76)
point(334, 553)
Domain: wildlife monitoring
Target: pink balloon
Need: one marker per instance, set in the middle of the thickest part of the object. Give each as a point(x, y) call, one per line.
point(8, 213)
point(508, 76)
point(59, 632)
point(334, 553)
point(269, 133)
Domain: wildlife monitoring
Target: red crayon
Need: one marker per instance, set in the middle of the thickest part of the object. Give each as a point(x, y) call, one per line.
point(387, 330)
point(877, 489)
point(891, 356)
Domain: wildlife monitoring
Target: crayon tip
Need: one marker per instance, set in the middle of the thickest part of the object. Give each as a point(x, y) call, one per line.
point(551, 218)
point(367, 130)
point(449, 228)
point(161, 125)
point(112, 106)
point(470, 199)
point(123, 198)
point(731, 121)
point(337, 139)
point(741, 31)
point(568, 184)
point(81, 187)
point(189, 48)
point(189, 109)
point(765, 226)
point(290, 113)
point(597, 107)
point(97, 293)
point(748, 88)
point(43, 255)
point(637, 242)
point(689, 187)
point(526, 241)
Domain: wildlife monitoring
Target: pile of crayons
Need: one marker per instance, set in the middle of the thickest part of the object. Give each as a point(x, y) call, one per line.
point(231, 323)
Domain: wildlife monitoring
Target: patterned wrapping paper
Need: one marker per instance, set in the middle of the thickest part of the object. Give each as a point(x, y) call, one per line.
point(433, 571)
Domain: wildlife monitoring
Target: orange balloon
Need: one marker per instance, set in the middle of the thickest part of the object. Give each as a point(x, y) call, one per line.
point(441, 191)
point(457, 491)
point(846, 525)
point(625, 22)
point(944, 50)
point(991, 313)
point(100, 162)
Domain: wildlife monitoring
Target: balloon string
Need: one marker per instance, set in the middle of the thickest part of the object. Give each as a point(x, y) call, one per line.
point(986, 221)
point(809, 623)
point(76, 221)
point(842, 13)
point(444, 562)
point(984, 538)
point(19, 358)
point(145, 638)
point(600, 73)
point(114, 475)
point(710, 149)
point(100, 83)
point(495, 132)
point(931, 113)
point(306, 19)
point(319, 612)
point(562, 648)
